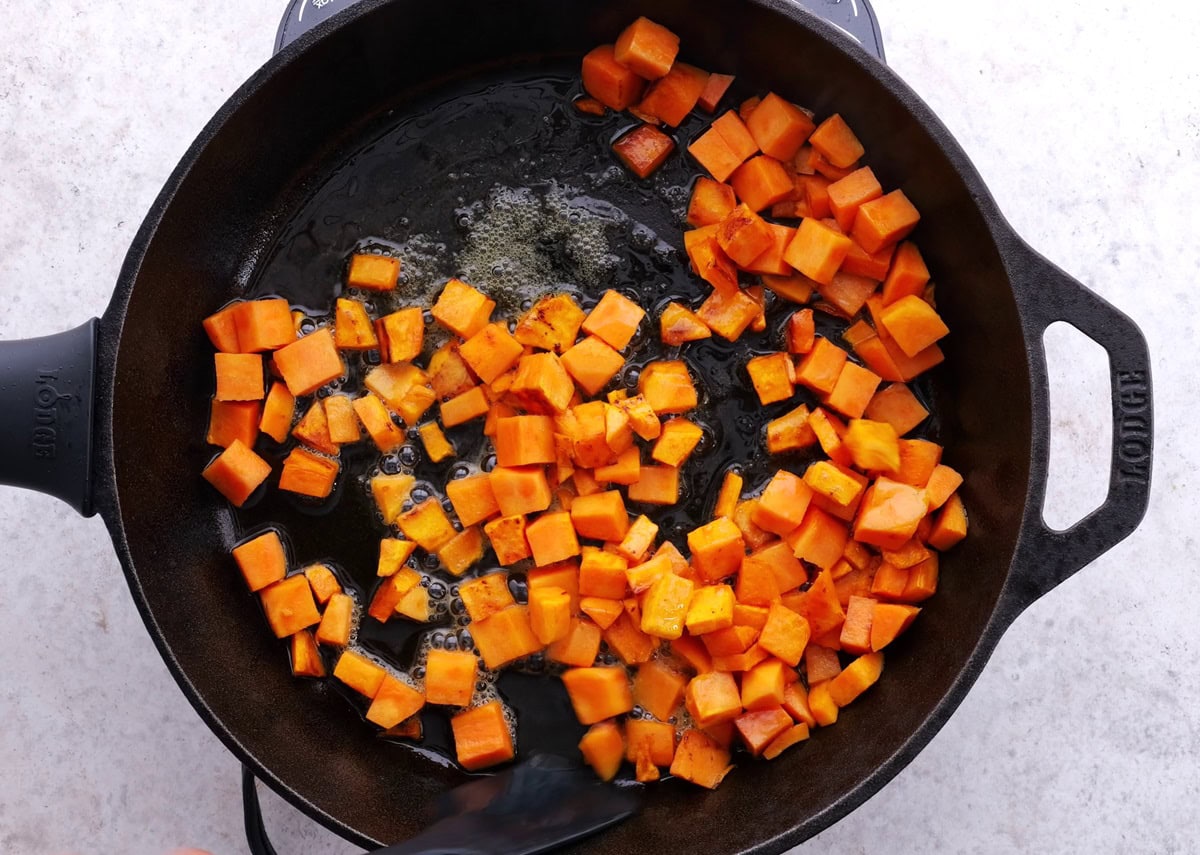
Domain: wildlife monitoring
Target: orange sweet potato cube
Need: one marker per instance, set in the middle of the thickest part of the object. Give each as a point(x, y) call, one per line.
point(427, 525)
point(679, 437)
point(772, 376)
point(336, 621)
point(262, 560)
point(668, 387)
point(486, 595)
point(482, 737)
point(322, 581)
point(679, 324)
point(644, 149)
point(783, 503)
point(473, 499)
point(263, 325)
point(638, 539)
point(827, 479)
point(819, 539)
point(713, 698)
point(609, 82)
point(779, 127)
point(359, 673)
point(552, 323)
point(507, 536)
point(308, 474)
point(592, 364)
point(764, 686)
point(352, 327)
point(743, 235)
point(277, 412)
point(313, 429)
point(834, 140)
point(390, 493)
point(656, 485)
point(853, 390)
point(603, 748)
point(950, 526)
point(790, 432)
point(817, 251)
point(717, 549)
point(709, 261)
point(759, 728)
point(450, 677)
point(373, 272)
point(647, 49)
point(602, 574)
point(601, 516)
point(580, 646)
point(462, 551)
point(761, 182)
point(710, 609)
point(221, 328)
point(711, 202)
point(873, 446)
point(239, 376)
point(701, 759)
point(884, 221)
point(520, 490)
point(665, 606)
point(310, 362)
point(658, 689)
point(401, 334)
point(614, 319)
point(289, 606)
point(343, 425)
point(542, 384)
point(673, 97)
point(306, 658)
point(390, 591)
point(491, 352)
point(437, 447)
point(785, 634)
point(462, 309)
point(890, 514)
point(598, 693)
point(729, 314)
point(504, 637)
point(552, 538)
point(713, 153)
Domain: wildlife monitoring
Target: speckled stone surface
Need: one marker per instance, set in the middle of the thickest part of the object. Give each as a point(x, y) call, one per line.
point(1083, 734)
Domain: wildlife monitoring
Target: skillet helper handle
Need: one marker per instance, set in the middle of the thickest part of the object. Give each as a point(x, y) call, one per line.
point(1048, 557)
point(47, 414)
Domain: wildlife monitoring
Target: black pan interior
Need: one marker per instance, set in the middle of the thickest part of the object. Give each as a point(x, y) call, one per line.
point(243, 221)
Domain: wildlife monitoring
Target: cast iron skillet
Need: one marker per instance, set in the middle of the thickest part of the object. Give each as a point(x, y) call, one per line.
point(110, 416)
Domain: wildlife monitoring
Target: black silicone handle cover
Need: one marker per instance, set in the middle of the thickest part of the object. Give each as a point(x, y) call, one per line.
point(47, 417)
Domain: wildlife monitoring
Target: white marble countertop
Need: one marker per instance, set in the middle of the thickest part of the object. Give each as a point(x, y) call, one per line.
point(1082, 735)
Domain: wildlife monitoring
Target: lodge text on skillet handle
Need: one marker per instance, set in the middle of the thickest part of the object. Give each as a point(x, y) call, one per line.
point(47, 414)
point(1047, 557)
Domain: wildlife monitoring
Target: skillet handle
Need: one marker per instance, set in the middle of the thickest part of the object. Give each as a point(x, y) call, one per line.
point(47, 414)
point(1046, 557)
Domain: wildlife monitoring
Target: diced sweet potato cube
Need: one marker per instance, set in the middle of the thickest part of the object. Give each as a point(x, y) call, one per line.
point(785, 634)
point(401, 334)
point(907, 274)
point(638, 539)
point(709, 261)
point(482, 737)
point(672, 97)
point(678, 439)
point(462, 309)
point(759, 728)
point(653, 740)
point(710, 203)
point(239, 376)
point(772, 376)
point(390, 592)
point(764, 685)
point(462, 551)
point(834, 140)
point(761, 182)
point(262, 560)
point(820, 369)
point(603, 612)
point(522, 490)
point(855, 678)
point(359, 673)
point(373, 272)
point(756, 583)
point(504, 637)
point(712, 152)
point(713, 698)
point(233, 420)
point(277, 412)
point(889, 514)
point(550, 614)
point(950, 526)
point(779, 127)
point(592, 364)
point(262, 325)
point(450, 677)
point(335, 625)
point(888, 621)
point(289, 606)
point(717, 549)
point(221, 328)
point(701, 760)
point(796, 288)
point(665, 606)
point(393, 553)
point(601, 516)
point(552, 538)
point(608, 82)
point(463, 408)
point(884, 221)
point(579, 647)
point(783, 503)
point(427, 525)
point(308, 474)
point(322, 581)
point(817, 251)
point(507, 536)
point(873, 445)
point(552, 323)
point(342, 423)
point(524, 440)
point(626, 639)
point(374, 416)
point(743, 235)
point(658, 689)
point(353, 329)
point(644, 149)
point(491, 352)
point(603, 748)
point(646, 48)
point(437, 447)
point(473, 499)
point(729, 494)
point(656, 485)
point(310, 362)
point(313, 429)
point(790, 432)
point(542, 385)
point(912, 323)
point(847, 194)
point(602, 574)
point(306, 659)
point(486, 595)
point(855, 636)
point(898, 406)
point(390, 493)
point(667, 387)
point(729, 315)
point(678, 325)
point(598, 693)
point(819, 539)
point(710, 609)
